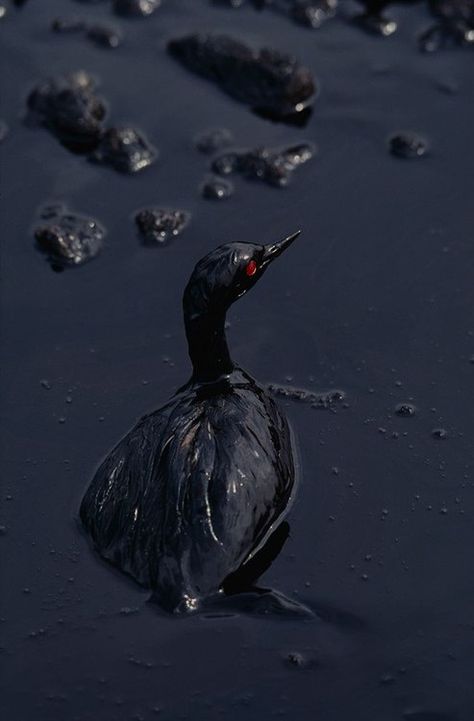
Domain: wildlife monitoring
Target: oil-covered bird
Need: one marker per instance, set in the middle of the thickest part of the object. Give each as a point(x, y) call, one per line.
point(196, 488)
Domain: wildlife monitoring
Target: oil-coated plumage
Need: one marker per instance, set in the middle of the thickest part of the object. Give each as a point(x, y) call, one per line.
point(195, 488)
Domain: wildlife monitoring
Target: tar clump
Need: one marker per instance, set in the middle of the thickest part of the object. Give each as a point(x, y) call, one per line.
point(267, 80)
point(274, 166)
point(125, 149)
point(66, 238)
point(69, 107)
point(158, 225)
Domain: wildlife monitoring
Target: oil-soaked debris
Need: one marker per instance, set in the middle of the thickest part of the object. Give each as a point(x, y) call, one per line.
point(405, 410)
point(324, 400)
point(274, 166)
point(310, 13)
point(3, 130)
point(107, 36)
point(408, 145)
point(158, 225)
point(136, 8)
point(455, 24)
point(210, 141)
point(125, 149)
point(68, 239)
point(69, 107)
point(267, 80)
point(217, 188)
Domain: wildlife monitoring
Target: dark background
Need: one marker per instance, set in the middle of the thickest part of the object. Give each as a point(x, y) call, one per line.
point(375, 298)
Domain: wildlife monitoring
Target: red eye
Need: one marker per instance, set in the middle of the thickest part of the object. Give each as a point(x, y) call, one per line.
point(251, 268)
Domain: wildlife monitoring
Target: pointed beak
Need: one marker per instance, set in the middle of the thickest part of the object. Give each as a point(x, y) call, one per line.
point(273, 250)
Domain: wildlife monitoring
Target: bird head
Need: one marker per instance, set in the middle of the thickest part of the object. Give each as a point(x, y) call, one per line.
point(227, 273)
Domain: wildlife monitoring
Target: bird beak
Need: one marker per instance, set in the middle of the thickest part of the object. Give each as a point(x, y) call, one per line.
point(273, 250)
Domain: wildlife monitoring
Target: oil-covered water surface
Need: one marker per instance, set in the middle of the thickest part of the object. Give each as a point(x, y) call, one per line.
point(376, 299)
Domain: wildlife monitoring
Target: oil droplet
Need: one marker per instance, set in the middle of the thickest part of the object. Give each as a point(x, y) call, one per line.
point(297, 660)
point(408, 145)
point(217, 189)
point(439, 433)
point(405, 410)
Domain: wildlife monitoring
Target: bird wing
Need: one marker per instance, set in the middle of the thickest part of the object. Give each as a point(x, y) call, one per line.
point(191, 491)
point(112, 508)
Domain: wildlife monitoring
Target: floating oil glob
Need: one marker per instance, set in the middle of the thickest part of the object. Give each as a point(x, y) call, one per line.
point(272, 166)
point(405, 410)
point(267, 80)
point(66, 238)
point(69, 107)
point(194, 491)
point(158, 225)
point(125, 149)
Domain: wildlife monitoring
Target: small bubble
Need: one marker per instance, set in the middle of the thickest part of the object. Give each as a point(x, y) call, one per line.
point(3, 530)
point(364, 577)
point(45, 384)
point(443, 510)
point(62, 419)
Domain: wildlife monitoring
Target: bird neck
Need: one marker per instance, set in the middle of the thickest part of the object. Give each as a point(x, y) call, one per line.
point(208, 348)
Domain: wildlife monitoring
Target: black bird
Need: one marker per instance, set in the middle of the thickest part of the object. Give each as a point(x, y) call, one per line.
point(196, 488)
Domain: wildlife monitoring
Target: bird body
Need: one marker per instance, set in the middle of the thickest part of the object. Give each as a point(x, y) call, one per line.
point(196, 487)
